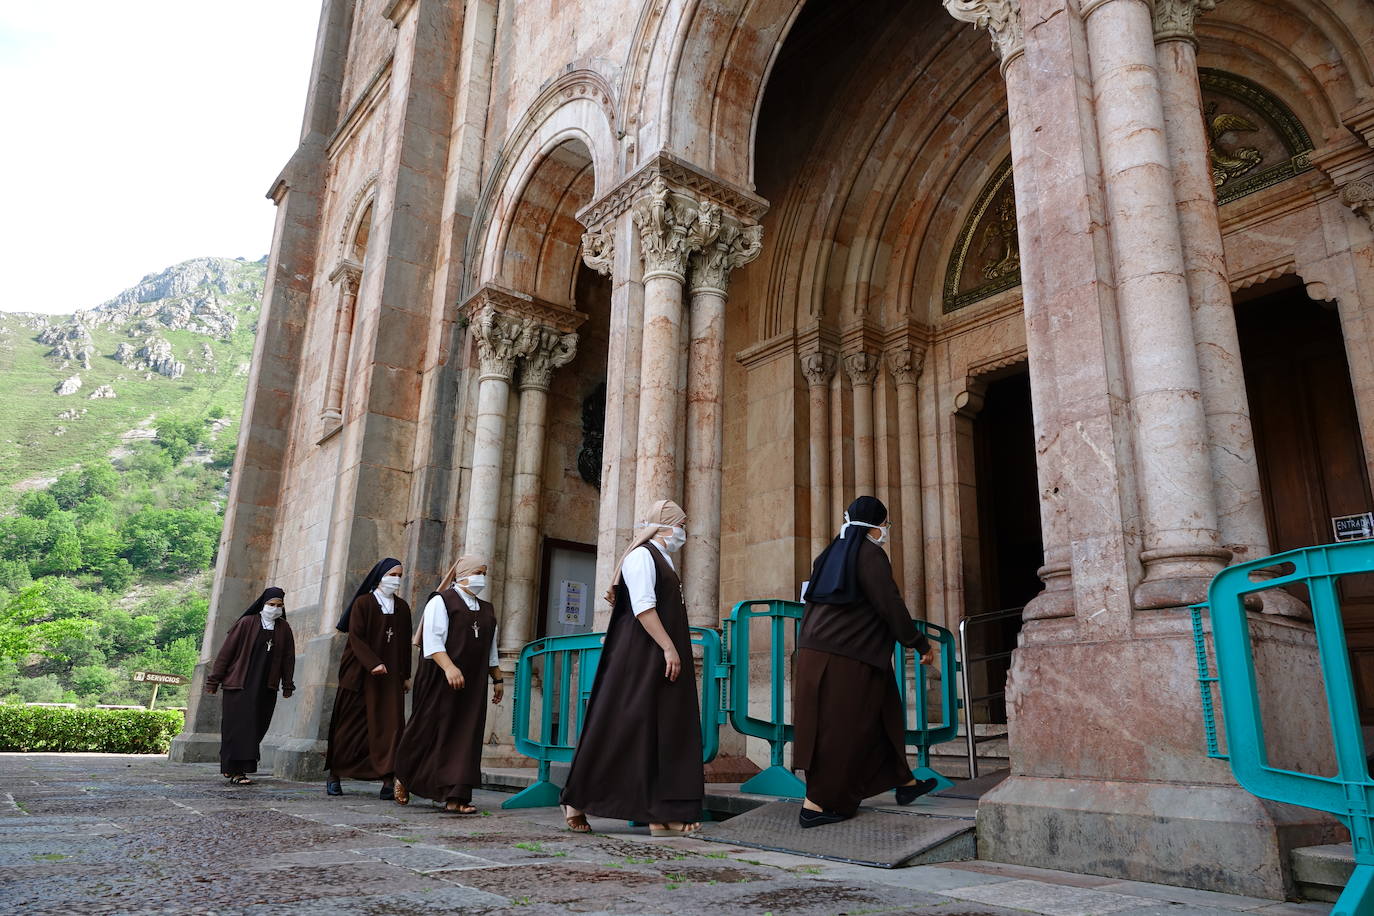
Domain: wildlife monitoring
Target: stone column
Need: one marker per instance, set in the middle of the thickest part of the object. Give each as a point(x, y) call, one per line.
point(819, 366)
point(670, 226)
point(862, 368)
point(1235, 472)
point(549, 349)
point(499, 339)
point(348, 277)
point(1181, 544)
point(733, 247)
point(905, 364)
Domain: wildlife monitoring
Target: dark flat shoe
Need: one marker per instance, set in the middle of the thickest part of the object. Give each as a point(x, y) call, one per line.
point(387, 794)
point(808, 818)
point(332, 787)
point(908, 794)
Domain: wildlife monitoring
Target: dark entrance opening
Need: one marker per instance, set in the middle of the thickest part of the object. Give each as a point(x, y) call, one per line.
point(1010, 548)
point(1307, 440)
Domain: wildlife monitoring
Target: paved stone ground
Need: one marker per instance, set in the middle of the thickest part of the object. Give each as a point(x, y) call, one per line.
point(109, 834)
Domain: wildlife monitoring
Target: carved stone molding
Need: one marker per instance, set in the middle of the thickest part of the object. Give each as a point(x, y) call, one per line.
point(598, 250)
point(1002, 19)
point(682, 177)
point(905, 364)
point(545, 349)
point(861, 367)
point(1176, 20)
point(348, 274)
point(819, 367)
point(671, 226)
point(500, 338)
point(734, 246)
point(1358, 195)
point(523, 305)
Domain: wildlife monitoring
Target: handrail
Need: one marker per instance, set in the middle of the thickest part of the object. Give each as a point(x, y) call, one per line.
point(971, 740)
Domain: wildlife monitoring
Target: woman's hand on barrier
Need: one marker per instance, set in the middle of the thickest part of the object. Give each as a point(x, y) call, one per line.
point(454, 677)
point(928, 657)
point(672, 664)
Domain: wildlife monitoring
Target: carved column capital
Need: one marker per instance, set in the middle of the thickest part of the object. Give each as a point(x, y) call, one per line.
point(1002, 19)
point(598, 249)
point(818, 366)
point(348, 275)
point(906, 363)
point(1358, 195)
point(861, 367)
point(500, 341)
point(544, 349)
point(734, 246)
point(1175, 20)
point(671, 226)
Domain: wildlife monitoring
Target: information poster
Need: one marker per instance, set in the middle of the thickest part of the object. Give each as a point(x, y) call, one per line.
point(573, 602)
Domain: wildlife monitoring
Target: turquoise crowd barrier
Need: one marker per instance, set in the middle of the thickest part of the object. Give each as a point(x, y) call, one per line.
point(1349, 795)
point(784, 621)
point(562, 706)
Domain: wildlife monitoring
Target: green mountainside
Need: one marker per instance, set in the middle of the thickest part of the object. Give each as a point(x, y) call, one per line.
point(173, 346)
point(118, 427)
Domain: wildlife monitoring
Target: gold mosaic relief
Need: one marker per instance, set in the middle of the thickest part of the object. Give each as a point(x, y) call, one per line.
point(1254, 140)
point(987, 256)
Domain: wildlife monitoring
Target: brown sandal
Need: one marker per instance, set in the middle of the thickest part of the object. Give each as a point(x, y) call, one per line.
point(460, 808)
point(402, 797)
point(577, 823)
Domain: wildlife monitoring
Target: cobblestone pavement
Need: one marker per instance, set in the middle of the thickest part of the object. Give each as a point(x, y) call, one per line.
point(93, 833)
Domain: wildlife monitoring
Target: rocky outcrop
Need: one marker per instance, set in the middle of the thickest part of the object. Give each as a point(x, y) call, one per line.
point(72, 413)
point(70, 342)
point(104, 391)
point(126, 355)
point(156, 356)
point(69, 386)
point(192, 296)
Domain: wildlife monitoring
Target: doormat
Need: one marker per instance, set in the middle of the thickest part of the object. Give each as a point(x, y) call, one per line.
point(975, 788)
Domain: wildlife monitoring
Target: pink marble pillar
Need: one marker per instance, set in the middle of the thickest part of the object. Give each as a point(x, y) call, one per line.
point(905, 364)
point(499, 339)
point(1181, 545)
point(348, 276)
point(552, 350)
point(733, 247)
point(819, 366)
point(862, 369)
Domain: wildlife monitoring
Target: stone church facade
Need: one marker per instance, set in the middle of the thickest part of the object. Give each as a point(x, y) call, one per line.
point(1089, 306)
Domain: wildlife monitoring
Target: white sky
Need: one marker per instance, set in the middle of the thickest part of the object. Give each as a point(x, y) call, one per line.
point(138, 133)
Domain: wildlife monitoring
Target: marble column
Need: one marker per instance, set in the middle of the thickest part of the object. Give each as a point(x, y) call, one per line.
point(733, 247)
point(905, 365)
point(348, 277)
point(671, 225)
point(862, 369)
point(819, 367)
point(1181, 548)
point(1235, 471)
point(549, 349)
point(499, 339)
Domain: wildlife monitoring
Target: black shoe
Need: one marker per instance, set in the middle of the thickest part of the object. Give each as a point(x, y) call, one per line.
point(808, 818)
point(388, 793)
point(332, 787)
point(908, 794)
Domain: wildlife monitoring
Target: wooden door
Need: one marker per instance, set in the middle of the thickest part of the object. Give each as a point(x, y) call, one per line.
point(1307, 438)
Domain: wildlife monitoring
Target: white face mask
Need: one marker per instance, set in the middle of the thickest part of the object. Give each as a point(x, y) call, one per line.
point(673, 542)
point(389, 585)
point(270, 613)
point(881, 529)
point(475, 584)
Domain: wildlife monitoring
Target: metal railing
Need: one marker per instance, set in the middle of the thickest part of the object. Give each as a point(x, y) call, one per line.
point(971, 739)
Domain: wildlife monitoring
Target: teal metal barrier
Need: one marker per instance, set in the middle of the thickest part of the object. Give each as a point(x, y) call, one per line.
point(562, 705)
point(784, 620)
point(1349, 795)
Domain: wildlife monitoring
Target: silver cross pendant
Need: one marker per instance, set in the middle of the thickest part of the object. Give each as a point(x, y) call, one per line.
point(269, 645)
point(388, 634)
point(475, 632)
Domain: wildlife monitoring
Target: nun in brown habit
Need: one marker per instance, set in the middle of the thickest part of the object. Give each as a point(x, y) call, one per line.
point(440, 755)
point(639, 754)
point(258, 655)
point(849, 734)
point(374, 675)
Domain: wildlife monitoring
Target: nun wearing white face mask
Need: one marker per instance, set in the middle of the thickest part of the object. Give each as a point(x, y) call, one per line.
point(258, 655)
point(374, 675)
point(440, 755)
point(849, 734)
point(639, 755)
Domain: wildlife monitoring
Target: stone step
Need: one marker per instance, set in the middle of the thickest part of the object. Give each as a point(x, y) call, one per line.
point(1322, 871)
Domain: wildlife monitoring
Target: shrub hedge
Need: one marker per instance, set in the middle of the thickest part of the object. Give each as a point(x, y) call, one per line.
point(107, 731)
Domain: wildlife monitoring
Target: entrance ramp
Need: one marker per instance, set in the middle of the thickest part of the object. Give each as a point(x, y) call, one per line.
point(879, 838)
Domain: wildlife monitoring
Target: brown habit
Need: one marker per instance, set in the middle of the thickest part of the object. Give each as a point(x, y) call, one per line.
point(370, 709)
point(440, 755)
point(849, 731)
point(639, 754)
point(249, 666)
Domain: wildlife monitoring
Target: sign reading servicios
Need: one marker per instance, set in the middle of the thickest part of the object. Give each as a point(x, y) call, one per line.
point(152, 677)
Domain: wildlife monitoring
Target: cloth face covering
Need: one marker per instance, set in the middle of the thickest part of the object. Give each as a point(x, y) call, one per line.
point(369, 585)
point(476, 584)
point(389, 585)
point(270, 613)
point(673, 542)
point(833, 580)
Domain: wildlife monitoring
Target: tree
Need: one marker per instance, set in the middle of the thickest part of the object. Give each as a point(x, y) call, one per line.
point(91, 681)
point(152, 463)
point(117, 575)
point(63, 553)
point(48, 618)
point(14, 575)
point(99, 480)
point(37, 504)
point(100, 545)
point(95, 510)
point(66, 490)
point(23, 538)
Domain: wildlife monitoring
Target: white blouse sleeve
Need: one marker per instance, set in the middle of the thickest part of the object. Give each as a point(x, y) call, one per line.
point(495, 659)
point(434, 627)
point(640, 578)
